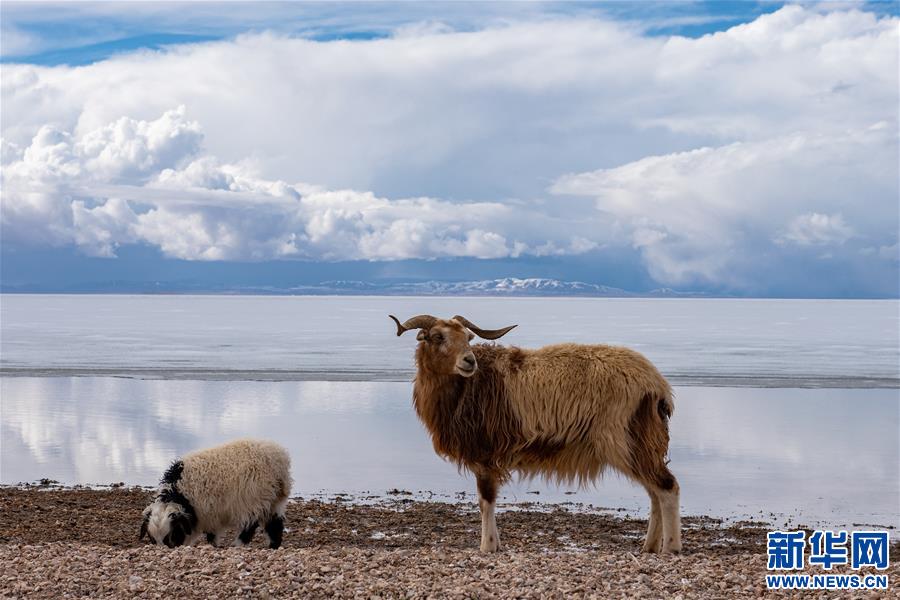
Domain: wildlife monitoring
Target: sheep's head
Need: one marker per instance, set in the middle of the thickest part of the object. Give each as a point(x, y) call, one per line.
point(167, 522)
point(444, 344)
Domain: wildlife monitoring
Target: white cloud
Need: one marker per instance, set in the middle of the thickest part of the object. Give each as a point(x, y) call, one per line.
point(100, 229)
point(702, 215)
point(707, 156)
point(817, 229)
point(128, 149)
point(66, 188)
point(43, 200)
point(481, 113)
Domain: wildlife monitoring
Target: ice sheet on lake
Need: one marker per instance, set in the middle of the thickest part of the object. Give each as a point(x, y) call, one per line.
point(781, 343)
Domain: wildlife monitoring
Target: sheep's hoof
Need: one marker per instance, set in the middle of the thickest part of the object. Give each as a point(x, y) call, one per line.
point(650, 548)
point(491, 544)
point(671, 545)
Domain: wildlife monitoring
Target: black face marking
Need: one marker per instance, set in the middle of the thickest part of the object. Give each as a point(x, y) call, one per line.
point(275, 531)
point(187, 511)
point(184, 521)
point(181, 528)
point(173, 473)
point(247, 534)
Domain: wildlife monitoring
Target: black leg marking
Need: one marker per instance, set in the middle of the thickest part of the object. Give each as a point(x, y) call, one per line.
point(665, 481)
point(487, 488)
point(211, 538)
point(275, 531)
point(247, 533)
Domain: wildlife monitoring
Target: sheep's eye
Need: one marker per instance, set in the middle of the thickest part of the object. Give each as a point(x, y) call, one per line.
point(437, 338)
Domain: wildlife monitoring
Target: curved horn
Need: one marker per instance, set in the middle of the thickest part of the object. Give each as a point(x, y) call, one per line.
point(487, 334)
point(417, 322)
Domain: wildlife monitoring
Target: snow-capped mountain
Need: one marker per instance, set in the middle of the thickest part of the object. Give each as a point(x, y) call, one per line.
point(507, 286)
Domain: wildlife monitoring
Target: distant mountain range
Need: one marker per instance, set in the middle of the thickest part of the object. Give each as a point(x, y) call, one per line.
point(508, 286)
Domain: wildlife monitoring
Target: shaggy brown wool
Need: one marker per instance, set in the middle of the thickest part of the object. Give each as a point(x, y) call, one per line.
point(563, 412)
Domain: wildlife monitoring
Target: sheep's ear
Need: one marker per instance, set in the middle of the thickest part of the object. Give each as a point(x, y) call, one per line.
point(422, 335)
point(181, 528)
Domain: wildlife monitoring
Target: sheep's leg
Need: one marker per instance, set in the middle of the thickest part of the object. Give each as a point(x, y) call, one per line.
point(664, 528)
point(275, 525)
point(487, 499)
point(646, 463)
point(192, 538)
point(653, 542)
point(275, 531)
point(246, 535)
point(669, 506)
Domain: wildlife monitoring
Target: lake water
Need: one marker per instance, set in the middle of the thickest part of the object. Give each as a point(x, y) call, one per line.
point(788, 343)
point(819, 455)
point(98, 389)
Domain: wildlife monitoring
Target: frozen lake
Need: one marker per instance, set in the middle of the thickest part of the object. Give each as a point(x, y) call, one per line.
point(776, 343)
point(815, 456)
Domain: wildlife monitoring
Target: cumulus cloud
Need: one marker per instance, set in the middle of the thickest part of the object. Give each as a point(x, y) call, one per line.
point(128, 149)
point(702, 215)
point(477, 114)
point(43, 196)
point(710, 157)
point(66, 188)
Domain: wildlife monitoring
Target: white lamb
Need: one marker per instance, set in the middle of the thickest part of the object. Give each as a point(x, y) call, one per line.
point(242, 484)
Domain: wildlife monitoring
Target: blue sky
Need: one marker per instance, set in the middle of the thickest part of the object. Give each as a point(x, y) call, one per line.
point(80, 33)
point(730, 147)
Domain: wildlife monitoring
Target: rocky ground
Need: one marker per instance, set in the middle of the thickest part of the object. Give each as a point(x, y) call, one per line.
point(80, 542)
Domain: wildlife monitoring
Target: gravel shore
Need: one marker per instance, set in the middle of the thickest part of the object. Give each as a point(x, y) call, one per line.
point(78, 543)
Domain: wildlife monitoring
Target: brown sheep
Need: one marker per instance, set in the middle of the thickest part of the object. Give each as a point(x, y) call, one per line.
point(562, 412)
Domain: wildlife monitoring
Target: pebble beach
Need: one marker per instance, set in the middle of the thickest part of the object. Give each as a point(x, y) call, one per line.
point(74, 543)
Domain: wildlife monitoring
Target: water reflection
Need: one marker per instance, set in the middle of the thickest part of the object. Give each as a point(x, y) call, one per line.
point(818, 456)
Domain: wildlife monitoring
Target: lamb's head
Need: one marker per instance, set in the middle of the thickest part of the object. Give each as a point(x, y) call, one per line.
point(444, 343)
point(169, 520)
